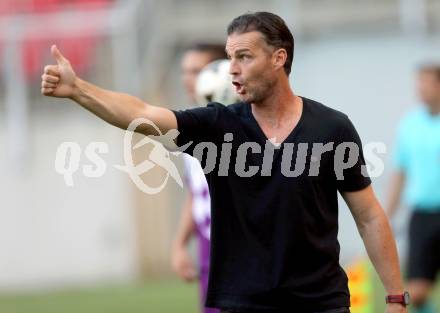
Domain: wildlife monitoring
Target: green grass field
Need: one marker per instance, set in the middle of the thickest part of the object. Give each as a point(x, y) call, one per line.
point(151, 297)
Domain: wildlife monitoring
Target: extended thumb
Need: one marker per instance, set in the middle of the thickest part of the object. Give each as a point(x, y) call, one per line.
point(57, 55)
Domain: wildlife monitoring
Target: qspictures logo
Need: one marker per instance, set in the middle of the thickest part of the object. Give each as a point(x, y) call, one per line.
point(159, 156)
point(67, 159)
point(345, 155)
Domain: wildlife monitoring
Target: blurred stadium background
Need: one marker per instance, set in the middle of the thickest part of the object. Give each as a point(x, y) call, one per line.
point(102, 245)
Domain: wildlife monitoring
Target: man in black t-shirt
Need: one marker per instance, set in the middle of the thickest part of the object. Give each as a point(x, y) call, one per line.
point(274, 163)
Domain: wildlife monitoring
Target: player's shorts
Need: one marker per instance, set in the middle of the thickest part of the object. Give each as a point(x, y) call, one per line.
point(204, 276)
point(424, 245)
point(338, 310)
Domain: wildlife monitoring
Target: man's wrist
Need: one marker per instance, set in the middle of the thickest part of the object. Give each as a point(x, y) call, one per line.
point(396, 289)
point(76, 90)
point(402, 298)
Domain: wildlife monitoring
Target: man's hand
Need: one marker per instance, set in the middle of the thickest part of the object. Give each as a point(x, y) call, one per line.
point(58, 80)
point(183, 265)
point(395, 308)
point(118, 109)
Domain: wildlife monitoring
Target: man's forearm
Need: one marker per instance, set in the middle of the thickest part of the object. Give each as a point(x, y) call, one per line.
point(181, 261)
point(186, 226)
point(381, 248)
point(115, 108)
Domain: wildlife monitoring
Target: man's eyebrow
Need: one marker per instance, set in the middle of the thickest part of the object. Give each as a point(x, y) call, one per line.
point(242, 50)
point(238, 51)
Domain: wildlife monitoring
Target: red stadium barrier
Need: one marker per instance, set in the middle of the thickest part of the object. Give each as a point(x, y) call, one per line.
point(79, 49)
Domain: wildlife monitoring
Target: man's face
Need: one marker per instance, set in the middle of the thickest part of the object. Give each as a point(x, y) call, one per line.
point(429, 88)
point(192, 63)
point(252, 70)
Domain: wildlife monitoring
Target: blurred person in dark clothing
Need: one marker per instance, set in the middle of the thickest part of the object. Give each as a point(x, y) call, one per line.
point(274, 245)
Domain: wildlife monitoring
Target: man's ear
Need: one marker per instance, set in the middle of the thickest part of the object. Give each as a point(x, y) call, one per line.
point(279, 58)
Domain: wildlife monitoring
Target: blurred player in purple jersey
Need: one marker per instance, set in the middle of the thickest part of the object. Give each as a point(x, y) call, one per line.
point(196, 212)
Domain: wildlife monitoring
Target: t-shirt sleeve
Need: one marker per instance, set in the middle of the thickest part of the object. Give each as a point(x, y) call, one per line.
point(351, 175)
point(197, 125)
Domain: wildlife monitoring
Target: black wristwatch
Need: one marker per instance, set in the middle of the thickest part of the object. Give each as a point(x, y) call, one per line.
point(403, 299)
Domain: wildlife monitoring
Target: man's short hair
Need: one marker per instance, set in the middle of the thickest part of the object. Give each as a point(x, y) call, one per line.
point(274, 30)
point(432, 68)
point(216, 51)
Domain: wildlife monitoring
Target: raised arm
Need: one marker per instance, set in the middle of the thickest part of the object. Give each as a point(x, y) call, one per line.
point(118, 109)
point(375, 231)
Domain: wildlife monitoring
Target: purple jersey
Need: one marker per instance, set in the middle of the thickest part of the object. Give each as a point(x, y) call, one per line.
point(201, 211)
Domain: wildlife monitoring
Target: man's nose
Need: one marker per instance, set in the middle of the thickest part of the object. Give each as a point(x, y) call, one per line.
point(233, 68)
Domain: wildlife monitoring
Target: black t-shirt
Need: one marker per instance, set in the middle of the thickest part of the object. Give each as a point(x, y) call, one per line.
point(274, 240)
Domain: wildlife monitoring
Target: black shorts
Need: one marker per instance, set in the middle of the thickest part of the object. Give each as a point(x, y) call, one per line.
point(424, 246)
